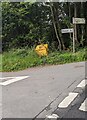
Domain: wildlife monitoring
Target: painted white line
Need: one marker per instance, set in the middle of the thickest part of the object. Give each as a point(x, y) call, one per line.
point(14, 79)
point(53, 116)
point(68, 100)
point(82, 84)
point(83, 106)
point(3, 78)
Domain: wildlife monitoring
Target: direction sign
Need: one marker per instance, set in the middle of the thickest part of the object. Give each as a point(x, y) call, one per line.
point(70, 30)
point(78, 20)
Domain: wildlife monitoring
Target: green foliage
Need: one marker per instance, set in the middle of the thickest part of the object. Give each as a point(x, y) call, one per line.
point(19, 59)
point(25, 24)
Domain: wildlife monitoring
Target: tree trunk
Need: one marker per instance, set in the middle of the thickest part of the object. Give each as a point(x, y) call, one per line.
point(58, 25)
point(55, 27)
point(70, 18)
point(75, 27)
point(82, 26)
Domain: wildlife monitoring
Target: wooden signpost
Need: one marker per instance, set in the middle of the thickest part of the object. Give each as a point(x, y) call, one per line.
point(67, 30)
point(75, 22)
point(72, 30)
point(78, 20)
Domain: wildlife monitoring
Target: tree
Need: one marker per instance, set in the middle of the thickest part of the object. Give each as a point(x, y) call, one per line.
point(25, 24)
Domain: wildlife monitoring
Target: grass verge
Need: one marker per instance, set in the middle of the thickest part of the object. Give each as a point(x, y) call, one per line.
point(20, 59)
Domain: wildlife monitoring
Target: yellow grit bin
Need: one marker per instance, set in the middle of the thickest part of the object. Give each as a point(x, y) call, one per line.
point(42, 49)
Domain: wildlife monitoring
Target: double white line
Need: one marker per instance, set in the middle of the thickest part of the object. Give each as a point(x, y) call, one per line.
point(69, 99)
point(83, 106)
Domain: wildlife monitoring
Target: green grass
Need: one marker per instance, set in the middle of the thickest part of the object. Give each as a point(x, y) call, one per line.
point(0, 62)
point(20, 59)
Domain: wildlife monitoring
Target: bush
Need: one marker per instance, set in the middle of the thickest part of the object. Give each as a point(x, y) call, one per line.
point(19, 59)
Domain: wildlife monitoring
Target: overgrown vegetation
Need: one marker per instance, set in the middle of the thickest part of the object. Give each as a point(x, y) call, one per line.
point(20, 59)
point(25, 25)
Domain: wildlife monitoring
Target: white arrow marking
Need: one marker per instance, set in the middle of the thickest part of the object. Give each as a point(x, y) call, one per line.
point(12, 80)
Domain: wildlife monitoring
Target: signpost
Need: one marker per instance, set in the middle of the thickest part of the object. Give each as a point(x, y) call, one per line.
point(78, 20)
point(73, 41)
point(70, 30)
point(75, 22)
point(67, 30)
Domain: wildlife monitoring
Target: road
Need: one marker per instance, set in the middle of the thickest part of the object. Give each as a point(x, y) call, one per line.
point(38, 92)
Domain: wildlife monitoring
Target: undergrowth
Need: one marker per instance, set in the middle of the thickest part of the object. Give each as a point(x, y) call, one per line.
point(20, 59)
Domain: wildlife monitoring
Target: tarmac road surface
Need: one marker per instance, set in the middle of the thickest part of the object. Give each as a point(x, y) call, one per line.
point(37, 92)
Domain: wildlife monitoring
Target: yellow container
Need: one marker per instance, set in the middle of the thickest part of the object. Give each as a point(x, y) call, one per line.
point(42, 50)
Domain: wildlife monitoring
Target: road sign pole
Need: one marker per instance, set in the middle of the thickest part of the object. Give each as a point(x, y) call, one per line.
point(74, 39)
point(70, 30)
point(76, 21)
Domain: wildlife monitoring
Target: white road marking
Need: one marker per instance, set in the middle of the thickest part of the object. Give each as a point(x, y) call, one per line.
point(68, 100)
point(12, 80)
point(82, 84)
point(53, 116)
point(83, 106)
point(3, 78)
